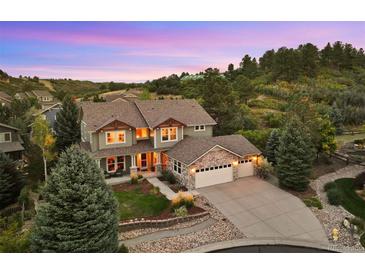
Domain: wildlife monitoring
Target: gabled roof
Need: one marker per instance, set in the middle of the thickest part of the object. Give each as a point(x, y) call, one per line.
point(141, 114)
point(190, 149)
point(98, 114)
point(5, 96)
point(58, 104)
point(7, 126)
point(186, 111)
point(41, 93)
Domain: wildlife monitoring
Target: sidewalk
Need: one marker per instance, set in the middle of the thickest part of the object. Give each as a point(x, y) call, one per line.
point(164, 189)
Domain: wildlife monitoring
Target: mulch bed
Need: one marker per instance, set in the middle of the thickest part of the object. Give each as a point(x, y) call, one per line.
point(145, 188)
point(310, 192)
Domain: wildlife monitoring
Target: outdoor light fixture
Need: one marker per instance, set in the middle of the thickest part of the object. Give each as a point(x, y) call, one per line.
point(192, 170)
point(235, 163)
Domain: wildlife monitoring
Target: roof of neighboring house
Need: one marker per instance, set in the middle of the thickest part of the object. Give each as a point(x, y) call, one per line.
point(5, 96)
point(10, 147)
point(192, 148)
point(54, 105)
point(186, 111)
point(7, 126)
point(113, 97)
point(96, 115)
point(42, 93)
point(140, 147)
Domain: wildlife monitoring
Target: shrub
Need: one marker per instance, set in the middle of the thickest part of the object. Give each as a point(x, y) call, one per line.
point(140, 176)
point(313, 202)
point(123, 249)
point(362, 240)
point(329, 186)
point(183, 199)
point(359, 223)
point(181, 211)
point(334, 196)
point(134, 180)
point(359, 181)
point(263, 169)
point(169, 176)
point(155, 190)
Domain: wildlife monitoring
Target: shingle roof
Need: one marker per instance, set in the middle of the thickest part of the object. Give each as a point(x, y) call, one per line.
point(41, 93)
point(191, 148)
point(98, 114)
point(5, 96)
point(10, 147)
point(7, 126)
point(186, 111)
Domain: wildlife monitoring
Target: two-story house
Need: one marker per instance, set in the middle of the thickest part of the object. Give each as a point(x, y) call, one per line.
point(152, 135)
point(11, 142)
point(44, 97)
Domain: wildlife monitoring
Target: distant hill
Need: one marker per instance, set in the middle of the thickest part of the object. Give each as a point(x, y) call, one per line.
point(59, 87)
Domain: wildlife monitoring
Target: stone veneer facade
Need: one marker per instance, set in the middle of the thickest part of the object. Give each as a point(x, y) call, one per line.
point(215, 157)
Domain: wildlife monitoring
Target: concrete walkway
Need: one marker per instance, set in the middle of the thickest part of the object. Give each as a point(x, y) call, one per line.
point(261, 210)
point(169, 233)
point(164, 189)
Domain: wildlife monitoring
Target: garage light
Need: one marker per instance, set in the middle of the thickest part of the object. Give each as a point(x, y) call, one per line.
point(235, 163)
point(192, 170)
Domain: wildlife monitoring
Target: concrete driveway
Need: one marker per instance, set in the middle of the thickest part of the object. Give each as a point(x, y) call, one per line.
point(261, 210)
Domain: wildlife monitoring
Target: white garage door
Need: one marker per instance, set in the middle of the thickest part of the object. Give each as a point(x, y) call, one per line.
point(213, 175)
point(245, 168)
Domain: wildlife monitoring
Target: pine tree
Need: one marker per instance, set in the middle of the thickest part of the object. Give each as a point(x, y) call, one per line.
point(272, 145)
point(80, 212)
point(11, 181)
point(294, 156)
point(67, 125)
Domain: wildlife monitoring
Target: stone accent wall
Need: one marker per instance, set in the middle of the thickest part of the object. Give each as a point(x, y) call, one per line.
point(183, 178)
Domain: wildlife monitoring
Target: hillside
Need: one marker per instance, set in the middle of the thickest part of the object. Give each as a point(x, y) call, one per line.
point(59, 87)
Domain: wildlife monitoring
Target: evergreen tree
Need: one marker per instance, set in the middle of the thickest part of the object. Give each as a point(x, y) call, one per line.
point(272, 146)
point(67, 125)
point(326, 55)
point(11, 181)
point(310, 59)
point(294, 156)
point(80, 212)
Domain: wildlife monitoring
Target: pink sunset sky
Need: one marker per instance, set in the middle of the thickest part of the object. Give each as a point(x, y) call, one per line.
point(140, 51)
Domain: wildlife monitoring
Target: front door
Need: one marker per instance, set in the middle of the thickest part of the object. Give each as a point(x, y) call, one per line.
point(143, 161)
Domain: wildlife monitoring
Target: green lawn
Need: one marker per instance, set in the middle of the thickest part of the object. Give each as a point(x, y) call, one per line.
point(349, 138)
point(350, 200)
point(136, 204)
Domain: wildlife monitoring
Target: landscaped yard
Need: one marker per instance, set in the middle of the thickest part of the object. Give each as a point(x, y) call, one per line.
point(349, 198)
point(141, 201)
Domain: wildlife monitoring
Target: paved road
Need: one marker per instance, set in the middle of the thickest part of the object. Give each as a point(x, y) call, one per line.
point(261, 210)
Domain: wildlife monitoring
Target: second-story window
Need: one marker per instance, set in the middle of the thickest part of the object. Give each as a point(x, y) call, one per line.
point(115, 137)
point(141, 133)
point(199, 128)
point(169, 134)
point(5, 137)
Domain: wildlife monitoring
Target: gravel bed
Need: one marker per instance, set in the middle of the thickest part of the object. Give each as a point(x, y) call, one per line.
point(221, 230)
point(332, 216)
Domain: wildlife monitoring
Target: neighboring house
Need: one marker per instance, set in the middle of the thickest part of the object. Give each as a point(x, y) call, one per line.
point(44, 97)
point(152, 135)
point(5, 99)
point(120, 96)
point(50, 114)
point(11, 142)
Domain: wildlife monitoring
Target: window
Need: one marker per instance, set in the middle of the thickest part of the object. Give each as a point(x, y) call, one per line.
point(177, 167)
point(141, 133)
point(168, 134)
point(199, 128)
point(120, 162)
point(110, 162)
point(5, 137)
point(115, 137)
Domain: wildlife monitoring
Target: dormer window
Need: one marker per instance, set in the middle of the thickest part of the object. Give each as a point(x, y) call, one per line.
point(199, 128)
point(169, 134)
point(115, 137)
point(142, 133)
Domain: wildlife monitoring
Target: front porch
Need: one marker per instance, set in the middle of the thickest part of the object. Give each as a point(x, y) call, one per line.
point(121, 167)
point(126, 178)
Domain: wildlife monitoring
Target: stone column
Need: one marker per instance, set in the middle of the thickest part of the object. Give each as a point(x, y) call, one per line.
point(158, 162)
point(133, 168)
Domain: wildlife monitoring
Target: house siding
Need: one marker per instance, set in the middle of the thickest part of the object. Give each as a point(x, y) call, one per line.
point(160, 144)
point(14, 133)
point(189, 131)
point(103, 145)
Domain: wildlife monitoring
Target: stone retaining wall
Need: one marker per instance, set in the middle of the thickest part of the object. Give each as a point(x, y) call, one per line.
point(138, 224)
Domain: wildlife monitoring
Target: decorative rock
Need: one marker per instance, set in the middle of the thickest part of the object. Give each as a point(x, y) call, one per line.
point(346, 223)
